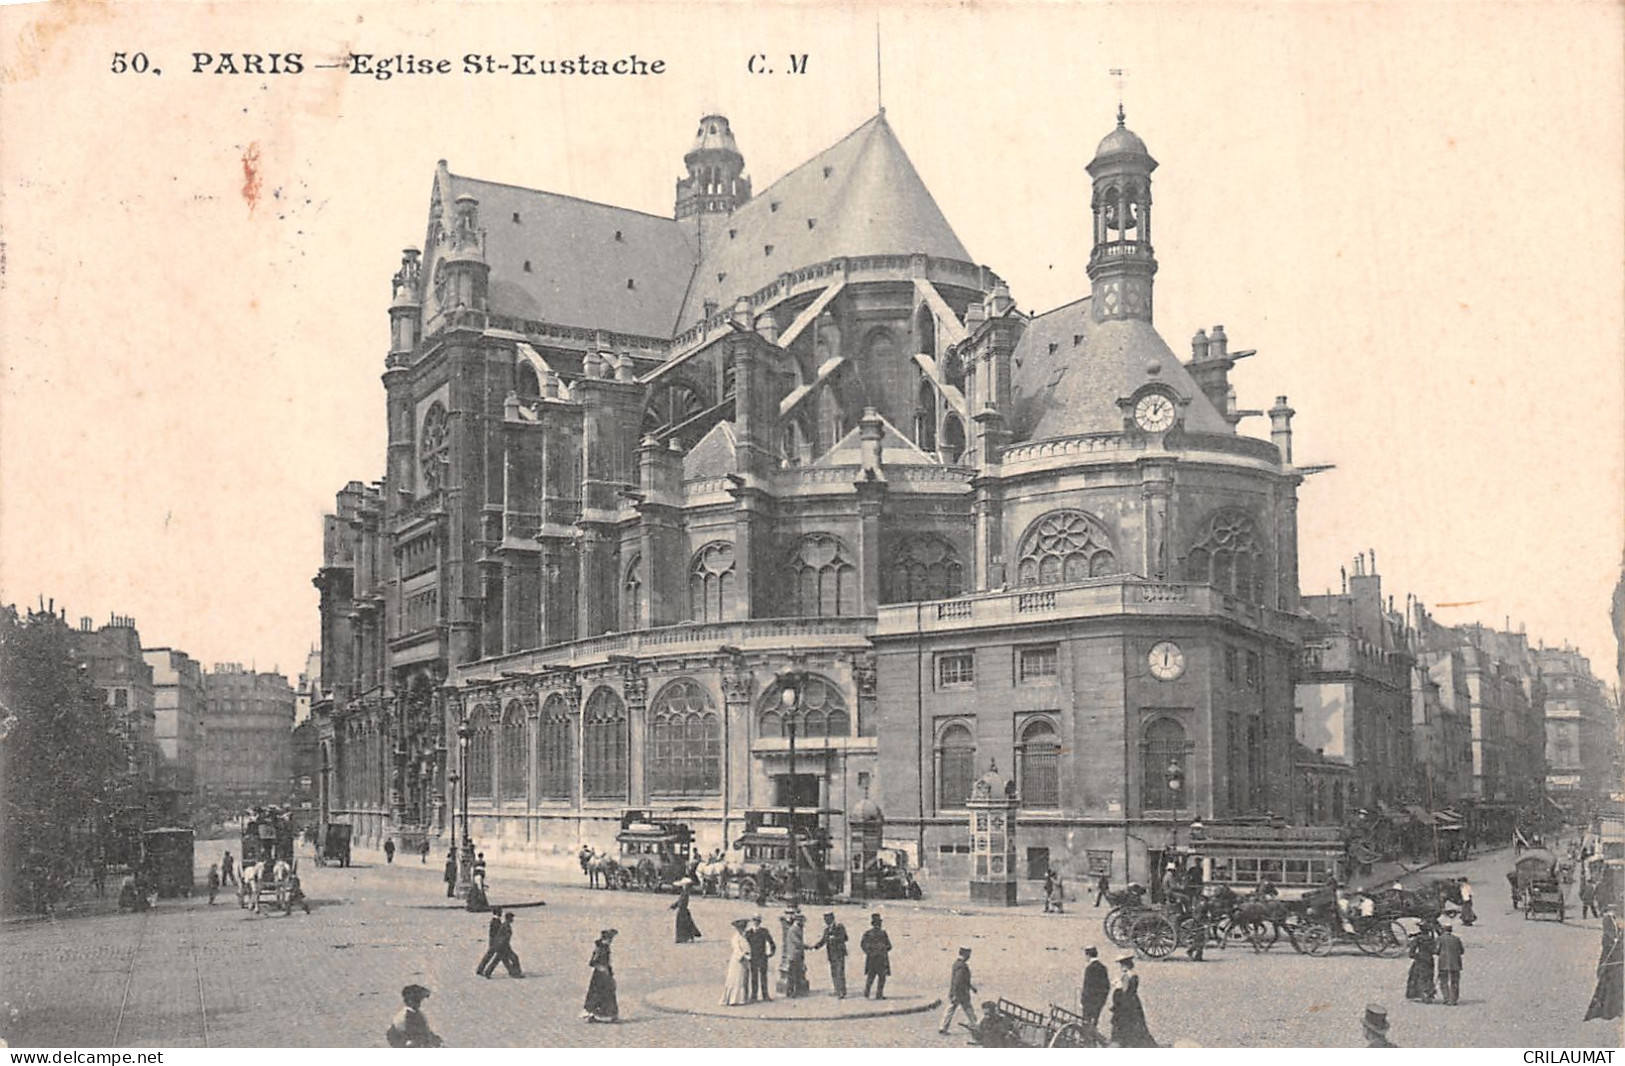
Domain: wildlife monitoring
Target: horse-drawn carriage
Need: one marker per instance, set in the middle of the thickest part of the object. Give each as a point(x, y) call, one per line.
point(655, 853)
point(1009, 1024)
point(333, 846)
point(1535, 866)
point(780, 856)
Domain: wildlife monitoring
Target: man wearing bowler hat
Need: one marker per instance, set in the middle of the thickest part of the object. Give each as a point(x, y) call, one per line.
point(833, 941)
point(959, 992)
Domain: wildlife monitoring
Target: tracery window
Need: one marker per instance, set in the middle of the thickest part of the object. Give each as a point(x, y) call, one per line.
point(1064, 546)
point(711, 583)
point(479, 753)
point(820, 711)
point(555, 754)
point(511, 780)
point(823, 578)
point(434, 446)
point(685, 741)
point(922, 567)
point(632, 595)
point(956, 766)
point(604, 744)
point(1038, 765)
point(1229, 555)
point(1163, 748)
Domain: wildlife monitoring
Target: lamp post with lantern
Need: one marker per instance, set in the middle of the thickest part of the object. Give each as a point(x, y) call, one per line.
point(1176, 784)
point(465, 854)
point(791, 685)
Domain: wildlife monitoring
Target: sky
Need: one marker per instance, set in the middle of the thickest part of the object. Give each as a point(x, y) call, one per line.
point(1413, 211)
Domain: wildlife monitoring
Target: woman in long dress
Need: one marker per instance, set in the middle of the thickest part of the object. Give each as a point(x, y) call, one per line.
point(1128, 1014)
point(601, 1004)
point(736, 985)
point(1606, 1000)
point(687, 931)
point(1419, 983)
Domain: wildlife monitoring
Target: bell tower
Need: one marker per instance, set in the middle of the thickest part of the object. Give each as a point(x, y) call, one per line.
point(1121, 265)
point(716, 184)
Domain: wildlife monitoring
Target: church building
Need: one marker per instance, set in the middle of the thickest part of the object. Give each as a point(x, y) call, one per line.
point(647, 473)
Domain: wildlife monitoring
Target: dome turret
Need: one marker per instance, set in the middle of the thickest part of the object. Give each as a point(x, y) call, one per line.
point(1121, 263)
point(716, 182)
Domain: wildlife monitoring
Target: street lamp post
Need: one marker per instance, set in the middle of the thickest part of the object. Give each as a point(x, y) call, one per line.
point(1176, 783)
point(790, 699)
point(465, 864)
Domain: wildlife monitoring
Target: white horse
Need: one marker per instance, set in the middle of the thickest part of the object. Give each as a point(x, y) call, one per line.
point(254, 880)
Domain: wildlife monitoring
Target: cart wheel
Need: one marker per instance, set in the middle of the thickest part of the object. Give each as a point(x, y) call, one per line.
point(627, 879)
point(1397, 943)
point(1315, 940)
point(747, 887)
point(1119, 926)
point(1155, 936)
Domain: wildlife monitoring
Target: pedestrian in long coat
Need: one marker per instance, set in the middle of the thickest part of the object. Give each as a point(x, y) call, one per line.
point(1097, 988)
point(451, 874)
point(876, 947)
point(687, 931)
point(833, 942)
point(959, 993)
point(1606, 999)
point(601, 1004)
point(762, 948)
point(1419, 984)
point(509, 957)
point(1588, 898)
point(1450, 950)
point(227, 877)
point(1102, 888)
point(1128, 1013)
point(214, 883)
point(389, 851)
point(423, 852)
point(795, 955)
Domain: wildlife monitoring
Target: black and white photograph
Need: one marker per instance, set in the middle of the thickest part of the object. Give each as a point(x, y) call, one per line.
point(812, 525)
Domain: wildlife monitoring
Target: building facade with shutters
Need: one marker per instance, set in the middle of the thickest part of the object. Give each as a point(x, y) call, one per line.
point(640, 468)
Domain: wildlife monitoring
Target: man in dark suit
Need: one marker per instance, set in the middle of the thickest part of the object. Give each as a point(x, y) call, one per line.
point(1097, 988)
point(494, 946)
point(959, 992)
point(451, 874)
point(833, 941)
point(1450, 949)
point(762, 948)
point(876, 947)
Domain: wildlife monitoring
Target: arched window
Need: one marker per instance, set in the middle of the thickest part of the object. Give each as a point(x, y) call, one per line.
point(1038, 765)
point(922, 567)
point(1064, 546)
point(925, 418)
point(555, 753)
point(632, 595)
point(434, 447)
point(1229, 555)
point(1162, 749)
point(672, 404)
point(820, 711)
point(711, 583)
point(604, 743)
point(956, 766)
point(526, 383)
point(953, 368)
point(512, 778)
point(479, 752)
point(823, 578)
point(953, 440)
point(925, 331)
point(685, 742)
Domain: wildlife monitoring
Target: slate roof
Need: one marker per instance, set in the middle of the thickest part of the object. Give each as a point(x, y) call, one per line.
point(864, 197)
point(1074, 389)
point(714, 455)
point(579, 271)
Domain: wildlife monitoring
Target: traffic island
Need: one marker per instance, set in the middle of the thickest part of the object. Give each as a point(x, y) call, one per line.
point(704, 1000)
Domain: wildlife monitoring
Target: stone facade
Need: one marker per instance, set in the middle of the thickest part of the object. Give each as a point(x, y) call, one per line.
point(179, 704)
point(247, 742)
point(639, 469)
point(1580, 745)
point(113, 659)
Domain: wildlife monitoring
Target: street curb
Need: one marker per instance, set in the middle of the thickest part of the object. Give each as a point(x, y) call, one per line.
point(651, 1000)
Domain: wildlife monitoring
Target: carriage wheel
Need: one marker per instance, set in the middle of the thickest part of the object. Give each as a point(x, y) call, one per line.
point(1119, 926)
point(1396, 942)
point(1071, 1035)
point(625, 879)
point(1315, 940)
point(1155, 936)
point(747, 887)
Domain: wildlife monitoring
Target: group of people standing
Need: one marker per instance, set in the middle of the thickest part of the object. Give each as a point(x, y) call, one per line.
point(752, 947)
point(1435, 946)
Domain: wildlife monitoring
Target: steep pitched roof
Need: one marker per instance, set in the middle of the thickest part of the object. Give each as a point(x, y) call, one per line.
point(714, 455)
point(578, 268)
point(862, 196)
point(1069, 371)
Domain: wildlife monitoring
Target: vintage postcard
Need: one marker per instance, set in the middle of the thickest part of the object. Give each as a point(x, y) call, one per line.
point(812, 525)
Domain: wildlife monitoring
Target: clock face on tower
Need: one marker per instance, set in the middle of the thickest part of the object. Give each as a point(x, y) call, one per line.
point(1167, 661)
point(1154, 413)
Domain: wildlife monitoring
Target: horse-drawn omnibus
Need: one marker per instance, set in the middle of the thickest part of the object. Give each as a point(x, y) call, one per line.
point(766, 868)
point(655, 851)
point(1245, 856)
point(267, 836)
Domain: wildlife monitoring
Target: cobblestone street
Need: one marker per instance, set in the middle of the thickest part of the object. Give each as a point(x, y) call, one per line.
point(187, 974)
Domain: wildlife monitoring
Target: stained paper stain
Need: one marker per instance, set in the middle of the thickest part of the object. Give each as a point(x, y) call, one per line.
point(251, 175)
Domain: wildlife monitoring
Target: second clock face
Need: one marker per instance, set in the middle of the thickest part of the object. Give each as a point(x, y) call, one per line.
point(1166, 660)
point(1154, 413)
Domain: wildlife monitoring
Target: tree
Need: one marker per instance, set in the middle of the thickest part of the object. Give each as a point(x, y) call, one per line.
point(64, 765)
